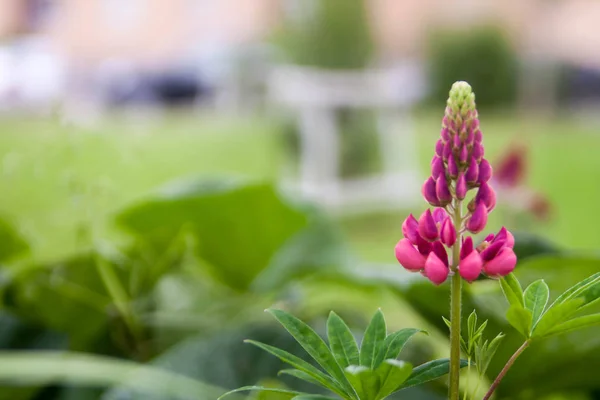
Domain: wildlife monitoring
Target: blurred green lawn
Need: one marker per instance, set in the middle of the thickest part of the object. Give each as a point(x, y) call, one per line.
point(60, 183)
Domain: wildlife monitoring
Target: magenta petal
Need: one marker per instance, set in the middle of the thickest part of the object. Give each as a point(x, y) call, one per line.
point(445, 133)
point(472, 171)
point(448, 232)
point(463, 155)
point(487, 196)
point(492, 250)
point(470, 267)
point(439, 147)
point(485, 171)
point(447, 152)
point(442, 191)
point(439, 215)
point(461, 187)
point(478, 136)
point(428, 192)
point(467, 247)
point(427, 226)
point(435, 270)
point(478, 219)
point(456, 142)
point(501, 265)
point(410, 229)
point(408, 256)
point(437, 167)
point(478, 151)
point(505, 235)
point(438, 248)
point(452, 167)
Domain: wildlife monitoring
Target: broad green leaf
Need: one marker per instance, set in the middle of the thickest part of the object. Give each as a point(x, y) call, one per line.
point(555, 315)
point(429, 371)
point(303, 366)
point(313, 397)
point(313, 344)
point(373, 341)
point(575, 324)
point(364, 380)
point(512, 290)
point(575, 290)
point(392, 373)
point(296, 373)
point(520, 319)
point(52, 367)
point(259, 389)
point(394, 343)
point(342, 342)
point(536, 297)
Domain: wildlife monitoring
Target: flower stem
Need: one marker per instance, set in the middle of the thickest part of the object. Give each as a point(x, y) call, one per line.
point(455, 310)
point(509, 364)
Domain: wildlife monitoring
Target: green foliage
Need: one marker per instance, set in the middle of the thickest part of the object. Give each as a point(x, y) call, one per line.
point(330, 34)
point(482, 56)
point(376, 378)
point(11, 242)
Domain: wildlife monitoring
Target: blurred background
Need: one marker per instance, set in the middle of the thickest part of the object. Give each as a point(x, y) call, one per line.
point(170, 168)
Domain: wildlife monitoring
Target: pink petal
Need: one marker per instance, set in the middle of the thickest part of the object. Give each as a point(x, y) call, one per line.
point(408, 256)
point(435, 270)
point(501, 265)
point(470, 267)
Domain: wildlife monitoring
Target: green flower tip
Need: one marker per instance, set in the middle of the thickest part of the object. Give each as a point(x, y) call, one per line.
point(461, 97)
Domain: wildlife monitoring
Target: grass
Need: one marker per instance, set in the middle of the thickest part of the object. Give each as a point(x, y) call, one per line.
point(61, 183)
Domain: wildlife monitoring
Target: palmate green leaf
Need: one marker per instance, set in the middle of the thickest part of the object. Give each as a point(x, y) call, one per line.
point(556, 315)
point(536, 298)
point(520, 319)
point(471, 324)
point(54, 367)
point(259, 389)
point(395, 342)
point(392, 373)
point(373, 341)
point(429, 371)
point(512, 290)
point(342, 342)
point(577, 289)
point(314, 346)
point(296, 373)
point(313, 397)
point(575, 324)
point(324, 380)
point(364, 380)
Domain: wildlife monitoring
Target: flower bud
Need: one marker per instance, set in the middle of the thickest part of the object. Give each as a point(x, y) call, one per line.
point(437, 167)
point(439, 147)
point(501, 265)
point(477, 152)
point(461, 186)
point(439, 215)
point(442, 191)
point(452, 167)
point(447, 152)
point(485, 171)
point(487, 196)
point(410, 229)
point(428, 192)
point(448, 232)
point(505, 235)
point(478, 136)
point(427, 227)
point(456, 142)
point(478, 219)
point(472, 172)
point(467, 247)
point(445, 134)
point(438, 248)
point(408, 256)
point(463, 155)
point(492, 250)
point(470, 267)
point(435, 270)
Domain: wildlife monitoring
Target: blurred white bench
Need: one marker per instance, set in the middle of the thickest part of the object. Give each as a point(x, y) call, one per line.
point(315, 94)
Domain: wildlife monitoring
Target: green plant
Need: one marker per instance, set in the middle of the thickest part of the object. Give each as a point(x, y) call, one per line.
point(368, 372)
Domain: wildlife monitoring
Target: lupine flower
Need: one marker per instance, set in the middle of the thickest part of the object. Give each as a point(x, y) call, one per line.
point(457, 167)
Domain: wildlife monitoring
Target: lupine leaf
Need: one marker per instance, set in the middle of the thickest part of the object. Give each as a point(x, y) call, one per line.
point(575, 324)
point(520, 319)
point(392, 373)
point(555, 315)
point(536, 298)
point(364, 380)
point(395, 342)
point(298, 363)
point(429, 371)
point(576, 289)
point(373, 341)
point(259, 389)
point(490, 351)
point(313, 344)
point(296, 373)
point(512, 290)
point(342, 342)
point(471, 323)
point(313, 397)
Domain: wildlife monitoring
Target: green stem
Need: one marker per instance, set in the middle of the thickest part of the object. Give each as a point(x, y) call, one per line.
point(509, 364)
point(455, 309)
